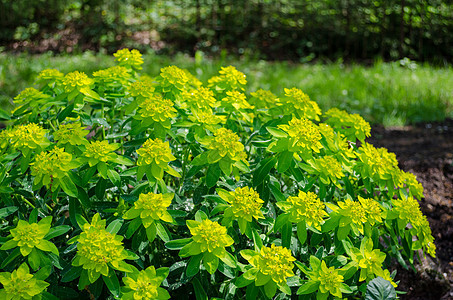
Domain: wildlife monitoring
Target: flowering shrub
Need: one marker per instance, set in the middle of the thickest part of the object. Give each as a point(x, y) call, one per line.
point(196, 190)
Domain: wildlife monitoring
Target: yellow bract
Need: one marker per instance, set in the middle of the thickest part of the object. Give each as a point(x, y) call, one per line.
point(20, 284)
point(52, 164)
point(304, 135)
point(306, 206)
point(274, 261)
point(97, 249)
point(151, 207)
point(76, 81)
point(131, 58)
point(157, 108)
point(210, 236)
point(154, 152)
point(73, 134)
point(299, 103)
point(245, 203)
point(98, 151)
point(226, 142)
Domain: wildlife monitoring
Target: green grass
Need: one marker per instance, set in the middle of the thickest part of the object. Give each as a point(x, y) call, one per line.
point(386, 93)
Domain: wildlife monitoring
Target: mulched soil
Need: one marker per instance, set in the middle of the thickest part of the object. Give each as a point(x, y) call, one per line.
point(426, 150)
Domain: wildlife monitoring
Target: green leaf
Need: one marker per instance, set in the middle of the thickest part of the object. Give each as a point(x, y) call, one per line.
point(270, 288)
point(276, 132)
point(151, 232)
point(112, 283)
point(263, 170)
point(133, 226)
point(57, 231)
point(43, 273)
point(285, 159)
point(80, 220)
point(286, 235)
point(68, 186)
point(162, 232)
point(210, 262)
point(308, 288)
point(380, 289)
point(241, 281)
point(200, 294)
point(212, 175)
point(302, 232)
point(90, 93)
point(100, 188)
point(193, 267)
point(4, 115)
point(114, 177)
point(281, 220)
point(177, 244)
point(71, 274)
point(115, 226)
point(65, 112)
point(258, 243)
point(6, 211)
point(33, 259)
point(13, 255)
point(123, 160)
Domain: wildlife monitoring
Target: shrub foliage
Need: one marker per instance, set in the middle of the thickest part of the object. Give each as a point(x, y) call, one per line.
point(122, 185)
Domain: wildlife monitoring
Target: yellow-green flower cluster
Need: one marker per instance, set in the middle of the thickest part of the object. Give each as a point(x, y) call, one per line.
point(408, 211)
point(28, 137)
point(199, 99)
point(353, 126)
point(207, 118)
point(76, 81)
point(172, 78)
point(143, 88)
point(50, 74)
point(73, 134)
point(229, 79)
point(409, 181)
point(353, 212)
point(97, 249)
point(328, 169)
point(245, 204)
point(275, 263)
point(304, 136)
point(264, 99)
point(237, 100)
point(151, 207)
point(377, 163)
point(329, 280)
point(210, 236)
point(145, 284)
point(158, 109)
point(115, 73)
point(20, 284)
point(100, 151)
point(306, 206)
point(31, 96)
point(226, 144)
point(374, 211)
point(155, 152)
point(299, 103)
point(129, 58)
point(368, 259)
point(28, 236)
point(51, 165)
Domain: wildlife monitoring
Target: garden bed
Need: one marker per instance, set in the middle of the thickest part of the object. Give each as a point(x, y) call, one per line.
point(427, 151)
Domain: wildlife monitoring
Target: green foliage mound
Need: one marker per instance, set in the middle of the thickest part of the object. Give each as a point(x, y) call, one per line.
point(133, 187)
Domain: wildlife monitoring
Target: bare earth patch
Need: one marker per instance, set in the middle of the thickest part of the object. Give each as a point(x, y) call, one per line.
point(427, 151)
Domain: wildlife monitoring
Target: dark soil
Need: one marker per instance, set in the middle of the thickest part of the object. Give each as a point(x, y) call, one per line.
point(426, 150)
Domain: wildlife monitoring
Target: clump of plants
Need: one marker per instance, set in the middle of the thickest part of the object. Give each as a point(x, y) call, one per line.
point(122, 185)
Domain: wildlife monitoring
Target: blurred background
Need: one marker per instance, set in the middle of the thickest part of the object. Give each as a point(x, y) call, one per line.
point(389, 60)
point(278, 30)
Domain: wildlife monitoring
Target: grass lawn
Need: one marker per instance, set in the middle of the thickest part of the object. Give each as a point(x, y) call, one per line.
point(392, 94)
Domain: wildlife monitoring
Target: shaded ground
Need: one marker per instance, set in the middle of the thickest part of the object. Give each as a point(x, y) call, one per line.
point(427, 151)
